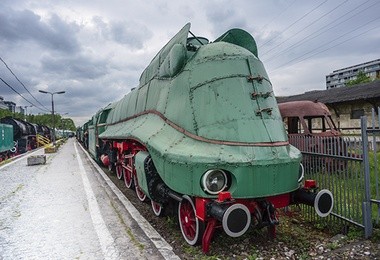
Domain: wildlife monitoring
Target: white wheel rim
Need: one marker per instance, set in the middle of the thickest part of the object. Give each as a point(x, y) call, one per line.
point(157, 208)
point(140, 194)
point(119, 172)
point(128, 184)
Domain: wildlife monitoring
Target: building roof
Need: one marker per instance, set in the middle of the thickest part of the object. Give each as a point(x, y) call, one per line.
point(367, 92)
point(361, 65)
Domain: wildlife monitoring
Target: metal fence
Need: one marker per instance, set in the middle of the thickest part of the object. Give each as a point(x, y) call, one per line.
point(349, 167)
point(371, 204)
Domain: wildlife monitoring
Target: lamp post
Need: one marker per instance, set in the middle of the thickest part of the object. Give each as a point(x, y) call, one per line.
point(52, 108)
point(63, 124)
point(25, 111)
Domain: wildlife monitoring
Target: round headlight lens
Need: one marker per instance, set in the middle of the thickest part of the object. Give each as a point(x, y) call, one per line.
point(214, 181)
point(301, 173)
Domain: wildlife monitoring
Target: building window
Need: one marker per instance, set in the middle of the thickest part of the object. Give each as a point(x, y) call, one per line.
point(357, 113)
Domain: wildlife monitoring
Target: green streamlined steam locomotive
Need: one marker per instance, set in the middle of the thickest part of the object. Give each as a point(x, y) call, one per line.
point(203, 131)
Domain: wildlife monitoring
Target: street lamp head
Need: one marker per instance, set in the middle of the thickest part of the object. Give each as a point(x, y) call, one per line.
point(43, 91)
point(60, 92)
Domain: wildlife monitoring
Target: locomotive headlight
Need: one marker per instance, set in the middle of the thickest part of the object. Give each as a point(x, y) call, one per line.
point(214, 181)
point(301, 173)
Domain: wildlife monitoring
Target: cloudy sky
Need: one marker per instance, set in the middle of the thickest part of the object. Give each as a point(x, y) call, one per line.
point(95, 50)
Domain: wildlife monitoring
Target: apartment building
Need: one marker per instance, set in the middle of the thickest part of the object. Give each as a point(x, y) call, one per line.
point(339, 77)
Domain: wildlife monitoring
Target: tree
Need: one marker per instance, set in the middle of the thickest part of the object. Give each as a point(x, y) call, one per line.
point(5, 112)
point(44, 119)
point(360, 78)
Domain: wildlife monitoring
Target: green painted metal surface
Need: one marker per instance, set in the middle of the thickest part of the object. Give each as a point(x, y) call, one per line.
point(217, 111)
point(140, 171)
point(91, 130)
point(241, 38)
point(96, 126)
point(6, 137)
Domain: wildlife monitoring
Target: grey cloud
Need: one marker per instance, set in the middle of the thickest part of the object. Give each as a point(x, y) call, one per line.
point(75, 67)
point(55, 34)
point(127, 33)
point(96, 60)
point(223, 18)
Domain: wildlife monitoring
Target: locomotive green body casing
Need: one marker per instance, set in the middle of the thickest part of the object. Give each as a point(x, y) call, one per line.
point(91, 130)
point(97, 125)
point(210, 108)
point(6, 137)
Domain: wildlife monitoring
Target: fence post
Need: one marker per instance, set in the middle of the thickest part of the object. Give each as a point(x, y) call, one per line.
point(366, 206)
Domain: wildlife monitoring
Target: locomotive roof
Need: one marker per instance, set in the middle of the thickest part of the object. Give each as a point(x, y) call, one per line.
point(235, 36)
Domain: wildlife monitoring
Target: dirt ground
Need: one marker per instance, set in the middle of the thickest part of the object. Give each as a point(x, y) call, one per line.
point(296, 238)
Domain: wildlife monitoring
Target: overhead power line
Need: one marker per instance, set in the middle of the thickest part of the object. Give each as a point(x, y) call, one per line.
point(15, 91)
point(299, 19)
point(6, 65)
point(340, 43)
point(18, 93)
point(321, 31)
point(302, 30)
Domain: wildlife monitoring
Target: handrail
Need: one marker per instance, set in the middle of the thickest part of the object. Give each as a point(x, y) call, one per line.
point(42, 140)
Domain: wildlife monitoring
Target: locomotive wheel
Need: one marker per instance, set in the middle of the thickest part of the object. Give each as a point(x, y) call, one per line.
point(140, 194)
point(127, 178)
point(157, 208)
point(191, 227)
point(119, 171)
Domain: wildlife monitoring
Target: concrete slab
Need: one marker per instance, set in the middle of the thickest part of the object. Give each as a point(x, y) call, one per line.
point(36, 159)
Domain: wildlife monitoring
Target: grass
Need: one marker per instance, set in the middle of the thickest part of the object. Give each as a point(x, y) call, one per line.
point(345, 179)
point(5, 161)
point(126, 227)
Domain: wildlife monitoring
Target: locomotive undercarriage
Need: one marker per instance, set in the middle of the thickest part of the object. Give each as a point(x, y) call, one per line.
point(199, 217)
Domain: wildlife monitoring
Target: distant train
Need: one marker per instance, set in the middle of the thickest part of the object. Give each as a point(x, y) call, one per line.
point(19, 136)
point(7, 145)
point(203, 132)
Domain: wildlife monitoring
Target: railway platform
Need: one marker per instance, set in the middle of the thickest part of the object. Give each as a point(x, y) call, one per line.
point(69, 209)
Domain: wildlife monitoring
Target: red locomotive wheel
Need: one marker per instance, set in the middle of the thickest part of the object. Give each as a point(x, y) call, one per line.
point(191, 228)
point(119, 171)
point(140, 194)
point(127, 178)
point(157, 208)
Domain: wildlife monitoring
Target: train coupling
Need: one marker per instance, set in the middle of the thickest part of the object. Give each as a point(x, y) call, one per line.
point(323, 201)
point(235, 217)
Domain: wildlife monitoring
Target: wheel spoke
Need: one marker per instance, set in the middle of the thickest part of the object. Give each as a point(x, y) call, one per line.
point(127, 177)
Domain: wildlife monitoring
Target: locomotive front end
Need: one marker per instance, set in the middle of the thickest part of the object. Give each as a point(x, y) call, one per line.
point(253, 169)
point(203, 130)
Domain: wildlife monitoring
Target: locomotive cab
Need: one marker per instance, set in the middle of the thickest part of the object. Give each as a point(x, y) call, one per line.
point(193, 43)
